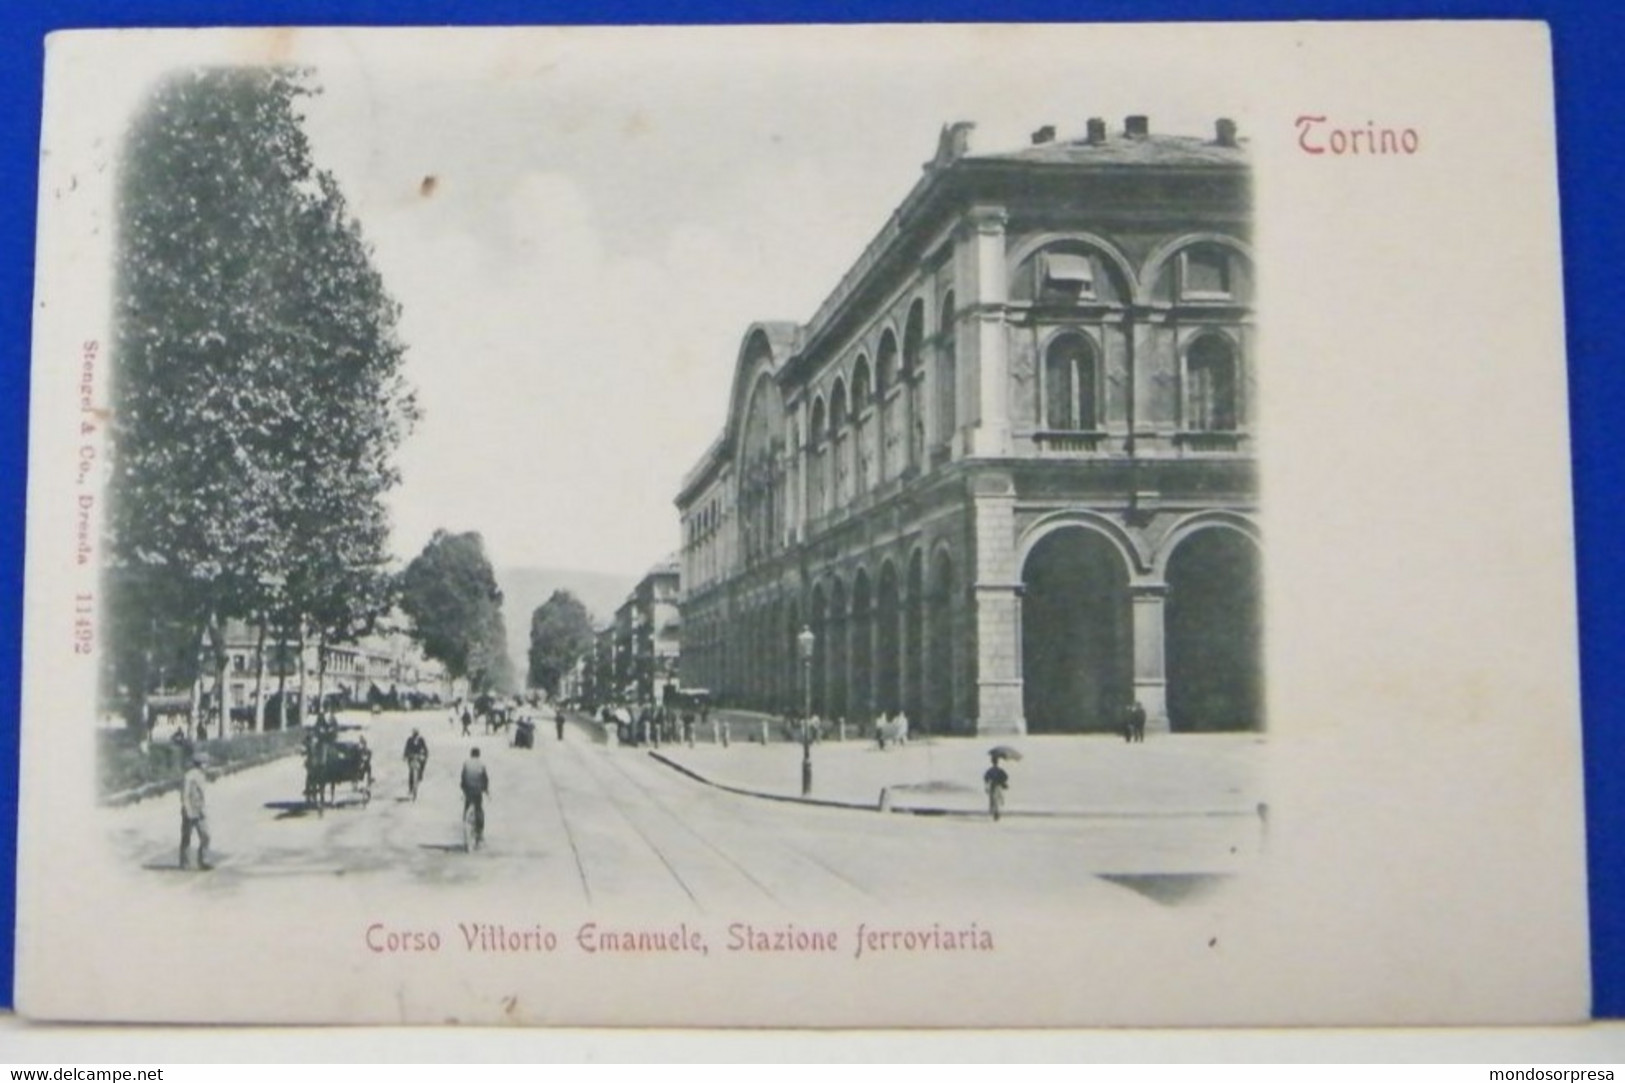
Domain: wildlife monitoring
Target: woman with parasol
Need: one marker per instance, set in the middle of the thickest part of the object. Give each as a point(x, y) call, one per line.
point(996, 779)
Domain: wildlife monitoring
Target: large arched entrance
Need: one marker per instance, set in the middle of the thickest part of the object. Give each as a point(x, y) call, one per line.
point(937, 715)
point(914, 641)
point(836, 699)
point(798, 674)
point(860, 700)
point(1076, 637)
point(888, 694)
point(1214, 635)
point(820, 659)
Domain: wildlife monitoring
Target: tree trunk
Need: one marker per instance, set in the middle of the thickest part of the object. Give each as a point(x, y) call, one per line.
point(259, 681)
point(281, 677)
point(321, 670)
point(222, 728)
point(303, 694)
point(194, 715)
point(136, 715)
point(222, 663)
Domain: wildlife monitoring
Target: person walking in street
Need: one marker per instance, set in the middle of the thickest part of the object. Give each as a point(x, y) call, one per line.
point(417, 758)
point(1136, 722)
point(476, 784)
point(558, 721)
point(193, 816)
point(997, 780)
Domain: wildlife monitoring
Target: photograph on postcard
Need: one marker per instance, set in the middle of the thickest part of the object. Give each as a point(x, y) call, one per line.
point(793, 526)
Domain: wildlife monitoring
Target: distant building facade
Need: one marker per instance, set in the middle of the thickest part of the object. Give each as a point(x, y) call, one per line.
point(388, 668)
point(636, 656)
point(1006, 474)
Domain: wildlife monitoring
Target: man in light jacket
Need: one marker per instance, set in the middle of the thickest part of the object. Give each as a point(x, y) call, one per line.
point(193, 816)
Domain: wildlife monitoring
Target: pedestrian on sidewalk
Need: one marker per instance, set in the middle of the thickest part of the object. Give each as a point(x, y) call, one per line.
point(476, 786)
point(193, 816)
point(417, 758)
point(558, 721)
point(996, 779)
point(1136, 714)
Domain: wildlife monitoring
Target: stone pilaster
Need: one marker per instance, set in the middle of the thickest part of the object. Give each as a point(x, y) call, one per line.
point(997, 600)
point(1150, 669)
point(992, 354)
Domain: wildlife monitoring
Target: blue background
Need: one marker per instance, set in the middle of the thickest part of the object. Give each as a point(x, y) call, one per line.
point(1587, 39)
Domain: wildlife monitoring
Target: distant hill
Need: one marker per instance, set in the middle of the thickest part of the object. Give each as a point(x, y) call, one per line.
point(523, 589)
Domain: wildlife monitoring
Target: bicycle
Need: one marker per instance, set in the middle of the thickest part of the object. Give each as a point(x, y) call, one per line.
point(473, 825)
point(414, 774)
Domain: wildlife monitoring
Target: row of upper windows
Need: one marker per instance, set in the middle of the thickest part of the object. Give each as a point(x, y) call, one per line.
point(704, 521)
point(893, 368)
point(1070, 392)
point(1065, 272)
point(1061, 272)
point(1075, 272)
point(829, 422)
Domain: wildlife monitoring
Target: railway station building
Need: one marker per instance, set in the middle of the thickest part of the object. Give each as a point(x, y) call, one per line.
point(1005, 475)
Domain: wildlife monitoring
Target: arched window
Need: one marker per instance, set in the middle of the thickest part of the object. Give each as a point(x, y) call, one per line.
point(1210, 385)
point(817, 462)
point(863, 425)
point(1205, 272)
point(913, 337)
point(840, 485)
point(1069, 384)
point(888, 456)
point(947, 396)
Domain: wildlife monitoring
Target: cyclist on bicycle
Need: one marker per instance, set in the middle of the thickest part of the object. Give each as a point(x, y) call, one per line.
point(476, 782)
point(997, 780)
point(417, 757)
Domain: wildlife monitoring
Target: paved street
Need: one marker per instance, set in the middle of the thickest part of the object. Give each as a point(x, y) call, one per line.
point(578, 822)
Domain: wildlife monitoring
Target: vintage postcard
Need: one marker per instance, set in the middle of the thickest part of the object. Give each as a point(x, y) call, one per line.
point(888, 526)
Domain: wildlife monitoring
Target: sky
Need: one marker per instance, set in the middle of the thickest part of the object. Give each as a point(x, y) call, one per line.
point(581, 224)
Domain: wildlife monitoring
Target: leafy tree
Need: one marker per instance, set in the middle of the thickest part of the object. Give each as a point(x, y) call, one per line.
point(450, 592)
point(258, 398)
point(560, 633)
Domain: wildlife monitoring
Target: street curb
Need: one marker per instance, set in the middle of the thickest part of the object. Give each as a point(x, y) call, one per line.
point(822, 802)
point(158, 789)
point(979, 814)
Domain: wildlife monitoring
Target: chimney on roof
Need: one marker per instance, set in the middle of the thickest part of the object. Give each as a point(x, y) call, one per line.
point(1046, 134)
point(1137, 126)
point(1096, 132)
point(1224, 132)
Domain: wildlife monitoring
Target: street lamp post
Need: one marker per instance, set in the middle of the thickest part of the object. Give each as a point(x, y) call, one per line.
point(805, 642)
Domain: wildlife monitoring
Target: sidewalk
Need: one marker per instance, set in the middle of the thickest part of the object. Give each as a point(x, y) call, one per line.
point(1074, 775)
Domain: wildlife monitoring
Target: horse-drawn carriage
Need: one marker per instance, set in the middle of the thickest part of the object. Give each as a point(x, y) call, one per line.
point(331, 758)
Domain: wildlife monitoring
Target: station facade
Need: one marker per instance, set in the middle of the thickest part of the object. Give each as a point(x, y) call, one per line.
point(1006, 473)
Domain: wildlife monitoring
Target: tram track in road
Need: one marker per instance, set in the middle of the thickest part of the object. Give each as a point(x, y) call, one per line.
point(784, 844)
point(564, 821)
point(683, 823)
point(626, 816)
